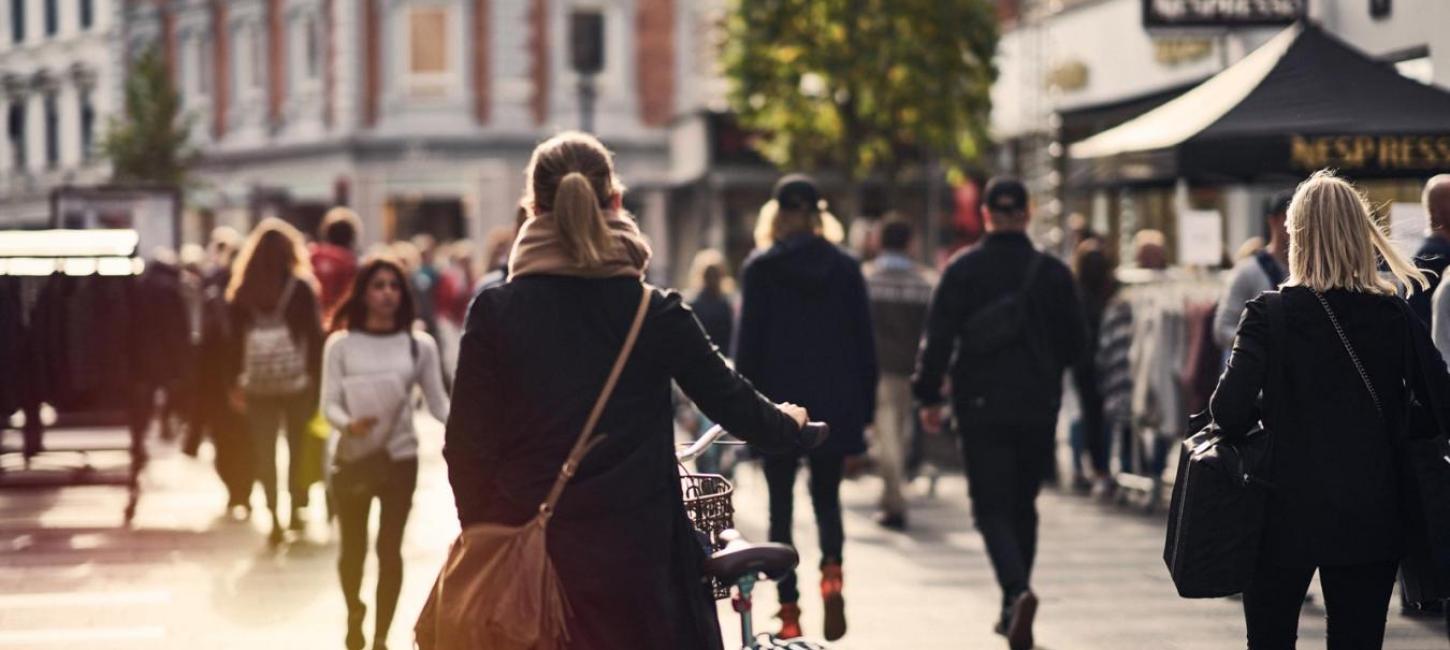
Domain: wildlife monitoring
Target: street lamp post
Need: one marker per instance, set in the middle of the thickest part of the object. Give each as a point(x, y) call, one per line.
point(586, 42)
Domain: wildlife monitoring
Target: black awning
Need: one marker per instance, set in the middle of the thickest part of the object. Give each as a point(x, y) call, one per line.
point(1304, 101)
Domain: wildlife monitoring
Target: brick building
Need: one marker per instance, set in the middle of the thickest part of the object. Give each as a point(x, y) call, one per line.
point(420, 114)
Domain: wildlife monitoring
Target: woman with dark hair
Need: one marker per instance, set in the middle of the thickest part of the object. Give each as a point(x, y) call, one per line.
point(377, 455)
point(273, 301)
point(1097, 282)
point(805, 335)
point(536, 353)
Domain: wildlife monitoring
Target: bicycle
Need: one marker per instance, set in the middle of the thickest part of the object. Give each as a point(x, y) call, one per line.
point(737, 565)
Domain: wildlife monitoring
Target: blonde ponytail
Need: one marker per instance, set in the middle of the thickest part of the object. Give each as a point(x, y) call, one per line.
point(581, 223)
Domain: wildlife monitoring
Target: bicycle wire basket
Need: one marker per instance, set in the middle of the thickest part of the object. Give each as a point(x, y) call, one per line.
point(708, 504)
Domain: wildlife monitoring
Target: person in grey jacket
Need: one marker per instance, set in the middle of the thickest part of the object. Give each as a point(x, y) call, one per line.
point(1263, 271)
point(900, 293)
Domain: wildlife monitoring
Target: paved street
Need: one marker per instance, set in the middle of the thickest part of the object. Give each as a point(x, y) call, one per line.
point(70, 577)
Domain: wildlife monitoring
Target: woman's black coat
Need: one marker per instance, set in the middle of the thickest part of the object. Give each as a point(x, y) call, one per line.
point(1336, 500)
point(535, 354)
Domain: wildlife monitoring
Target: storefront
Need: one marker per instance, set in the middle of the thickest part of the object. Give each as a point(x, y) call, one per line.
point(1303, 101)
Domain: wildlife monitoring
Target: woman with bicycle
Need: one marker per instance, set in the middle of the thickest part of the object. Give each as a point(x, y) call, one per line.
point(536, 352)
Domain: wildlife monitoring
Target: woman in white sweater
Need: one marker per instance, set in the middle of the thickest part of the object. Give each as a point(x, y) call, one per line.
point(370, 364)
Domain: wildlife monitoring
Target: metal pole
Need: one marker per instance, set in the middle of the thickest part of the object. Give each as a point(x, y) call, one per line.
point(586, 103)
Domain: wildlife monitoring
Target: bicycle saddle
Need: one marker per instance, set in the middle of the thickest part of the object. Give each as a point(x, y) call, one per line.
point(740, 558)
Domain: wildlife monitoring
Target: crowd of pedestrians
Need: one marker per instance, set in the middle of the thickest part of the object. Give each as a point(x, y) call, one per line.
point(334, 349)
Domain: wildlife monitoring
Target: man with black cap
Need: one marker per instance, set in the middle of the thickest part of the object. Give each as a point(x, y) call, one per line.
point(1013, 317)
point(1263, 271)
point(805, 336)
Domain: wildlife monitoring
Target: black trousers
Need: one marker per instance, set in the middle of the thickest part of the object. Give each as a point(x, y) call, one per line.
point(354, 499)
point(825, 489)
point(1356, 600)
point(1005, 467)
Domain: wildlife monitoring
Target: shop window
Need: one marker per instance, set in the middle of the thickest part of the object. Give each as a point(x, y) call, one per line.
point(17, 21)
point(52, 132)
point(52, 17)
point(88, 13)
point(15, 131)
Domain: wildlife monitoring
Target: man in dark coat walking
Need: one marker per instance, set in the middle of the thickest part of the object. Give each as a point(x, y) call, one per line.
point(1006, 394)
point(805, 337)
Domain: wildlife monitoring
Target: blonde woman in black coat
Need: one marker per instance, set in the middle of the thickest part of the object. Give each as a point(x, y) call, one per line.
point(1336, 508)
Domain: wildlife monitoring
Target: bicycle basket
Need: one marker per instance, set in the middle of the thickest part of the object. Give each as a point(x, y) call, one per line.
point(708, 504)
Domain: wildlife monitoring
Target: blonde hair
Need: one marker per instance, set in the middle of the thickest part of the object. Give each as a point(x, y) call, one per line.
point(1334, 242)
point(770, 227)
point(571, 179)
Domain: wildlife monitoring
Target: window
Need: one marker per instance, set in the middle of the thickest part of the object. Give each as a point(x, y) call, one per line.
point(313, 47)
point(15, 130)
point(259, 58)
point(203, 66)
point(428, 39)
point(88, 126)
point(88, 11)
point(52, 17)
point(17, 21)
point(52, 132)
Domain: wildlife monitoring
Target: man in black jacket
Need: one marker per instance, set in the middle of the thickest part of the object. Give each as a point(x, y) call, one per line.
point(1014, 318)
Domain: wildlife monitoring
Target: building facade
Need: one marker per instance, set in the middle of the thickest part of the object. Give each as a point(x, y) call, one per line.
point(420, 114)
point(1072, 68)
point(59, 82)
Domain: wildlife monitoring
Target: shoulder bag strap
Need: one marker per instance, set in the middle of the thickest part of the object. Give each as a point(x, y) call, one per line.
point(1279, 331)
point(1363, 376)
point(585, 443)
point(1032, 267)
point(280, 312)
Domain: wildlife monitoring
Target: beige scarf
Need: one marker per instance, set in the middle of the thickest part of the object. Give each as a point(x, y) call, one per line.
point(538, 250)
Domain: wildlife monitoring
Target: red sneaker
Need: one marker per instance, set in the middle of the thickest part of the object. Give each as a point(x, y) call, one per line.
point(790, 622)
point(831, 585)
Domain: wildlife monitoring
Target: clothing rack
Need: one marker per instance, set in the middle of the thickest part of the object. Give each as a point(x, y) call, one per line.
point(37, 266)
point(1160, 302)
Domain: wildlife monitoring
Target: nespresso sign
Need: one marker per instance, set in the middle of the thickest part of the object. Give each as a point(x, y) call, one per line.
point(1370, 152)
point(1221, 13)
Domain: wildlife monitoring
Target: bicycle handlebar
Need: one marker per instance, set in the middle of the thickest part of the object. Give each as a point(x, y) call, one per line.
point(812, 435)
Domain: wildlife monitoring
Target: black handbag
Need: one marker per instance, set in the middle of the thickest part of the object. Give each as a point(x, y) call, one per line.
point(1424, 464)
point(1216, 517)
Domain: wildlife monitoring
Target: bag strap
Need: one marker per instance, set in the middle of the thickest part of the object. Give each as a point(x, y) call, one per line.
point(1032, 267)
point(585, 443)
point(280, 311)
point(1270, 267)
point(1363, 376)
point(1279, 330)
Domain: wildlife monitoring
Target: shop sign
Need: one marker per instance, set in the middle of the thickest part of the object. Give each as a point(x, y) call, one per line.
point(1178, 51)
point(1409, 153)
point(1068, 76)
point(1221, 13)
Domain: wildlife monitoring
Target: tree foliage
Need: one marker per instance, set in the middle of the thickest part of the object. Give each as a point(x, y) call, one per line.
point(148, 144)
point(863, 86)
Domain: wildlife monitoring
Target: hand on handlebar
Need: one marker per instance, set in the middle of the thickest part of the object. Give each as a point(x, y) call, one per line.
point(797, 413)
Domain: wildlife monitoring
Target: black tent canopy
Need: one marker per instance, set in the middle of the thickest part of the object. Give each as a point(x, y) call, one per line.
point(1303, 101)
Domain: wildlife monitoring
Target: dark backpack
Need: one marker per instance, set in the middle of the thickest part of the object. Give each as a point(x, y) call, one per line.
point(1003, 321)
